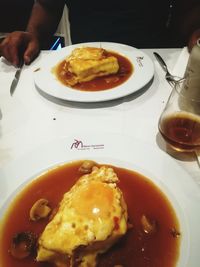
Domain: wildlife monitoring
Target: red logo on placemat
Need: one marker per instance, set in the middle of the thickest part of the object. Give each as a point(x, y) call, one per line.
point(78, 144)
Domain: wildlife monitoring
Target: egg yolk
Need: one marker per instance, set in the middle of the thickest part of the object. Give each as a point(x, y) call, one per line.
point(94, 200)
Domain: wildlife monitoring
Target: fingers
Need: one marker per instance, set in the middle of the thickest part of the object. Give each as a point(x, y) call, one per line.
point(32, 50)
point(9, 52)
point(19, 45)
point(10, 47)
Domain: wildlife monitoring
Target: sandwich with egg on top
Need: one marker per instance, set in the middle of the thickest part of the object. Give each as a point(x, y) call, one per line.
point(92, 216)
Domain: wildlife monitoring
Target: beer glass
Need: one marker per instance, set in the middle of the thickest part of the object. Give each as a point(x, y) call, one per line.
point(179, 123)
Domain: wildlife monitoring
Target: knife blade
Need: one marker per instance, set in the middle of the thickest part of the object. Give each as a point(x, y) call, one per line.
point(16, 79)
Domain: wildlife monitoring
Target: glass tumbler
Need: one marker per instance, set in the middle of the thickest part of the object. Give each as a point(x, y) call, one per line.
point(179, 123)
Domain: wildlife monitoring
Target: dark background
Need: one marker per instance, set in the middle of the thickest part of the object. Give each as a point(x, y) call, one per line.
point(14, 16)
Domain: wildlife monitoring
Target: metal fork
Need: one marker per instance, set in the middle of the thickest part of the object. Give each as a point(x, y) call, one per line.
point(171, 79)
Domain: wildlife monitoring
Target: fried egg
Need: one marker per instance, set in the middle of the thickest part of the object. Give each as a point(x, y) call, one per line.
point(92, 216)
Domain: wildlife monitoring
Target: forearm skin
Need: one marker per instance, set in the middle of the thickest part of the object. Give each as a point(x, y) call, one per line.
point(45, 18)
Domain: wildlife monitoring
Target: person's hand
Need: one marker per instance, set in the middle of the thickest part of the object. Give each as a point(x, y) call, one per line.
point(19, 46)
point(193, 39)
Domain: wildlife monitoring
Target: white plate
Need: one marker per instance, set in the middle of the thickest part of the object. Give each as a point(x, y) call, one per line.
point(47, 82)
point(179, 187)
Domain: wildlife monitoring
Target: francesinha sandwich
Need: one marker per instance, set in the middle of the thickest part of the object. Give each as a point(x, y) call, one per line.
point(91, 217)
point(86, 63)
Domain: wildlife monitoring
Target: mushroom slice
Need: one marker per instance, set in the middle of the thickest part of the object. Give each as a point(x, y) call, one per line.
point(23, 244)
point(149, 226)
point(40, 210)
point(87, 166)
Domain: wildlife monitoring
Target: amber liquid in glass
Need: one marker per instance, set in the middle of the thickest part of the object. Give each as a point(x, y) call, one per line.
point(181, 130)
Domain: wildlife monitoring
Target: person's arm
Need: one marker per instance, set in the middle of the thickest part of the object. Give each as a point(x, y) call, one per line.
point(42, 24)
point(45, 18)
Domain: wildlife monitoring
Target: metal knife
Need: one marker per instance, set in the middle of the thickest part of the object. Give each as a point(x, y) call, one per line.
point(16, 78)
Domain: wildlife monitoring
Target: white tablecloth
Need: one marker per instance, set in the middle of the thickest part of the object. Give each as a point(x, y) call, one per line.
point(29, 120)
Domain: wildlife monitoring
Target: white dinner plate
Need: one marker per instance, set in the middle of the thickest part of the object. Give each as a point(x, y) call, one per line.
point(143, 72)
point(177, 185)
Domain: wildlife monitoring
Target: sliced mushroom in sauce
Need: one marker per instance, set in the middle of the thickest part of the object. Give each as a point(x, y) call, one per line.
point(23, 245)
point(149, 226)
point(87, 166)
point(40, 210)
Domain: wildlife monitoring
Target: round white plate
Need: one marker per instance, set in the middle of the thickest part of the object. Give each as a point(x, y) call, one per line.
point(181, 190)
point(46, 81)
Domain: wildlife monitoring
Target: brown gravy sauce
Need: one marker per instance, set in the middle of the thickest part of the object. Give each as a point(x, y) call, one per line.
point(136, 249)
point(99, 83)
